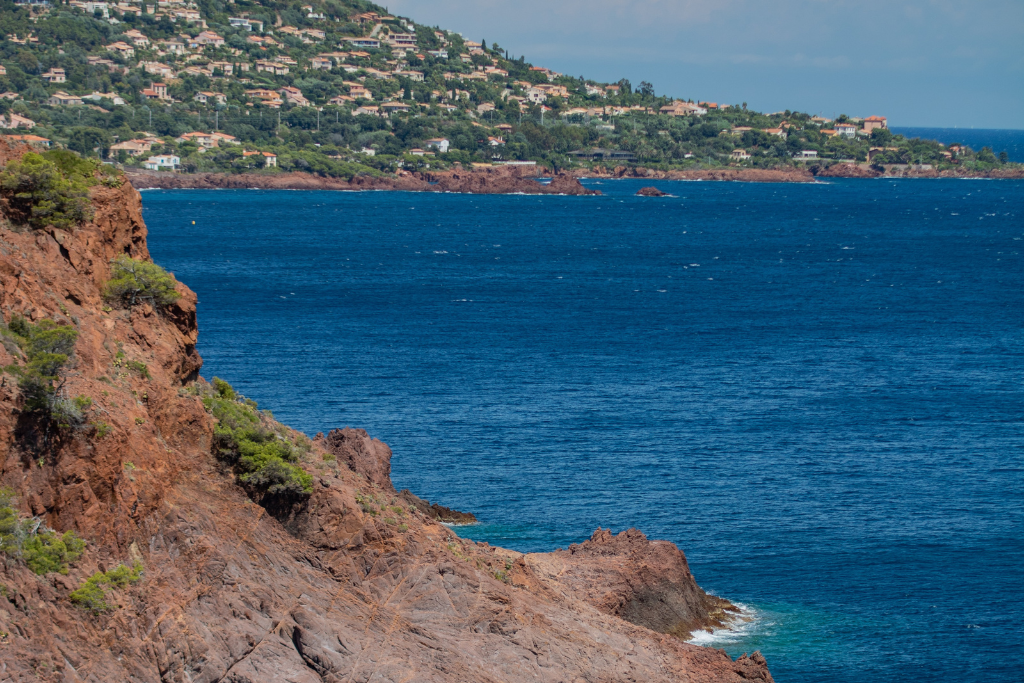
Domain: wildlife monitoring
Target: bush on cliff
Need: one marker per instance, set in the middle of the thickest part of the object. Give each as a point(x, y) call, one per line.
point(134, 281)
point(92, 594)
point(41, 191)
point(47, 346)
point(41, 548)
point(266, 461)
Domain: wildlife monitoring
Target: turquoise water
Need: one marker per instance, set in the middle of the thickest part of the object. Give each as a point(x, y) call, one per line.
point(815, 390)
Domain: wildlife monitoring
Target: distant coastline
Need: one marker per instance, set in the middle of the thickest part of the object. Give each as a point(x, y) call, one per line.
point(507, 181)
point(1007, 140)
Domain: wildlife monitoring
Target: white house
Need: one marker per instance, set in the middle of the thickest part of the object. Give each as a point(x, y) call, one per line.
point(847, 130)
point(806, 154)
point(163, 161)
point(440, 144)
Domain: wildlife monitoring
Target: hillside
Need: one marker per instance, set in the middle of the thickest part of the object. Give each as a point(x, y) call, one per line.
point(157, 527)
point(339, 88)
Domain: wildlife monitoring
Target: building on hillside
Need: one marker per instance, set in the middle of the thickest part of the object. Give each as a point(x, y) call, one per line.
point(62, 98)
point(205, 96)
point(806, 155)
point(394, 107)
point(874, 122)
point(368, 43)
point(13, 121)
point(157, 91)
point(157, 69)
point(820, 120)
point(132, 147)
point(121, 48)
point(137, 37)
point(680, 108)
point(33, 140)
point(440, 144)
point(55, 75)
point(402, 40)
point(276, 68)
point(777, 132)
point(739, 155)
point(293, 95)
point(846, 130)
point(209, 38)
point(114, 98)
point(269, 159)
point(204, 140)
point(160, 161)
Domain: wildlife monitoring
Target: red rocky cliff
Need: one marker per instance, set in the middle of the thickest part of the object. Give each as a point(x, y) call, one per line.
point(352, 583)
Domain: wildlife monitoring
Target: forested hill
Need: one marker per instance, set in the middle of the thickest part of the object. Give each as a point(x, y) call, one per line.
point(342, 88)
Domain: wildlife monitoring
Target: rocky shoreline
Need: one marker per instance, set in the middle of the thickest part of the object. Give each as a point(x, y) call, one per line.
point(511, 180)
point(499, 180)
point(350, 580)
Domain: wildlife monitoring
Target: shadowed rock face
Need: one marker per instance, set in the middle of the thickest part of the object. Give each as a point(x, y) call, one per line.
point(353, 583)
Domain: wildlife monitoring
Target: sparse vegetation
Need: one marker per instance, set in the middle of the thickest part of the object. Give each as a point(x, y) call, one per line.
point(266, 461)
point(46, 347)
point(139, 369)
point(92, 595)
point(134, 281)
point(48, 189)
point(41, 548)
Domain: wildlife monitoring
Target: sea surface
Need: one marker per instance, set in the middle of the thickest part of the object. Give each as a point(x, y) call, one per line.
point(999, 139)
point(815, 390)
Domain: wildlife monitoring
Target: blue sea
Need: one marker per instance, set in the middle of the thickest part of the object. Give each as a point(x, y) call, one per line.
point(815, 390)
point(998, 139)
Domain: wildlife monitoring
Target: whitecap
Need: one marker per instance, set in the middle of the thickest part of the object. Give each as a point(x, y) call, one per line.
point(738, 627)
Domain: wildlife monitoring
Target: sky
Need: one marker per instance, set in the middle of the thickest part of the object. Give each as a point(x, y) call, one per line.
point(936, 63)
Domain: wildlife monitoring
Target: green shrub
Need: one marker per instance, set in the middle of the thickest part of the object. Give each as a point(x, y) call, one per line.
point(47, 347)
point(266, 463)
point(134, 281)
point(42, 549)
point(48, 189)
point(92, 594)
point(139, 368)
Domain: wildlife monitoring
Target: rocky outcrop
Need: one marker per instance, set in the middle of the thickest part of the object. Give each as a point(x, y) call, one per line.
point(644, 582)
point(650, 192)
point(353, 582)
point(366, 456)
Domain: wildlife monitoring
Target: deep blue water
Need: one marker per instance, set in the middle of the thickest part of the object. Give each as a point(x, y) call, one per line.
point(815, 390)
point(1000, 140)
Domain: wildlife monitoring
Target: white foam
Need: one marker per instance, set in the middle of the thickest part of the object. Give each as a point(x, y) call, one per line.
point(738, 627)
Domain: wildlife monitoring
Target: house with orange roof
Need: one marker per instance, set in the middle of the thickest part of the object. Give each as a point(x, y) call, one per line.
point(874, 122)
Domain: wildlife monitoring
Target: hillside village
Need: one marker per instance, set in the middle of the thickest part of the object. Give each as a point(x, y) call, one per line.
point(341, 88)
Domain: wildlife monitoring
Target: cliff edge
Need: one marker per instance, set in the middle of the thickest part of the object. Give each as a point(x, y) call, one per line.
point(196, 569)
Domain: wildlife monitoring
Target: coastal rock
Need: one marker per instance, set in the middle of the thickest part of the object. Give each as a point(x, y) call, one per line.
point(352, 582)
point(644, 582)
point(650, 192)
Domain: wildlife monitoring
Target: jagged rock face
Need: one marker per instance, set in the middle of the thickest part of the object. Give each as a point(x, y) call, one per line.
point(645, 582)
point(353, 583)
point(363, 454)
